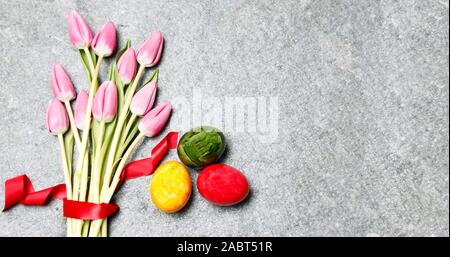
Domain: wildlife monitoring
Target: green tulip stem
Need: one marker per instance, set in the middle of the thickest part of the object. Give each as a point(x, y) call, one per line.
point(84, 178)
point(79, 224)
point(73, 127)
point(96, 173)
point(85, 229)
point(120, 167)
point(127, 129)
point(98, 160)
point(76, 134)
point(67, 177)
point(84, 141)
point(117, 133)
point(104, 230)
point(79, 177)
point(87, 120)
point(96, 224)
point(90, 62)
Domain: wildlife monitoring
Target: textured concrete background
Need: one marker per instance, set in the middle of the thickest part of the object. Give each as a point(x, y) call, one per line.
point(363, 93)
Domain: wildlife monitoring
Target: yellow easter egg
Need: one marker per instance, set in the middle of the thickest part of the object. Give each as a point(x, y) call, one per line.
point(170, 187)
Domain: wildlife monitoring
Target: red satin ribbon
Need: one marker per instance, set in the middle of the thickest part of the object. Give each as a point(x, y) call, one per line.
point(20, 189)
point(88, 211)
point(145, 167)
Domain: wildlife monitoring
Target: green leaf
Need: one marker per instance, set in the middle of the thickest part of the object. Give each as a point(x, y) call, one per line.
point(121, 51)
point(93, 56)
point(95, 130)
point(116, 163)
point(154, 76)
point(120, 89)
point(84, 59)
point(130, 137)
point(111, 74)
point(109, 133)
point(68, 144)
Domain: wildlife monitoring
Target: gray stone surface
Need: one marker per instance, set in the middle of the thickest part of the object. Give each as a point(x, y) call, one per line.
point(363, 90)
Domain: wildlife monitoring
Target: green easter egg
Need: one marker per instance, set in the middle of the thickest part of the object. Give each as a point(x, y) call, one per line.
point(201, 147)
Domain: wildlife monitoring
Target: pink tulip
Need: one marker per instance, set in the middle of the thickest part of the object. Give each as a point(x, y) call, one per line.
point(57, 119)
point(80, 109)
point(104, 42)
point(79, 31)
point(104, 107)
point(143, 100)
point(150, 51)
point(154, 121)
point(61, 84)
point(127, 66)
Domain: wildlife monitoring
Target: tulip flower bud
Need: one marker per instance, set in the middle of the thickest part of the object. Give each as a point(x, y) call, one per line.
point(61, 84)
point(79, 32)
point(154, 121)
point(150, 51)
point(104, 42)
point(104, 107)
point(57, 119)
point(80, 109)
point(127, 66)
point(143, 100)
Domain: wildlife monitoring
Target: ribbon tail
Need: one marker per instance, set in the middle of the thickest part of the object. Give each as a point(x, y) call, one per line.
point(43, 196)
point(16, 189)
point(20, 190)
point(136, 169)
point(146, 167)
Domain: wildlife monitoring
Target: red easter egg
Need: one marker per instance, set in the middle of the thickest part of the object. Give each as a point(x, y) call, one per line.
point(222, 185)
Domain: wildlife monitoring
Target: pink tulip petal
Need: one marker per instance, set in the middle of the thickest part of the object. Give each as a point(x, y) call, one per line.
point(104, 42)
point(104, 107)
point(150, 52)
point(127, 66)
point(80, 109)
point(79, 32)
point(62, 86)
point(143, 100)
point(154, 121)
point(57, 120)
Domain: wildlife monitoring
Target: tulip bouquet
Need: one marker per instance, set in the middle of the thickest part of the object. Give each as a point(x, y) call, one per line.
point(109, 121)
